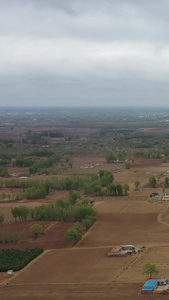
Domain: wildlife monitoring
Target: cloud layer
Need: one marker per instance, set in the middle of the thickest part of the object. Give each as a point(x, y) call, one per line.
point(85, 53)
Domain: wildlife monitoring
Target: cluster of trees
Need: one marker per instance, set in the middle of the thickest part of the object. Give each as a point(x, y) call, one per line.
point(13, 259)
point(38, 191)
point(114, 156)
point(59, 210)
point(31, 189)
point(4, 172)
point(91, 184)
point(55, 134)
point(33, 138)
point(24, 162)
point(101, 184)
point(20, 213)
point(40, 165)
point(153, 182)
point(151, 153)
point(88, 222)
point(11, 151)
point(11, 237)
point(118, 189)
point(4, 162)
point(63, 211)
point(35, 163)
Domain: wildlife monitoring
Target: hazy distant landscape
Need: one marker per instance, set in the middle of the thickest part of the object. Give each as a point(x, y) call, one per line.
point(92, 168)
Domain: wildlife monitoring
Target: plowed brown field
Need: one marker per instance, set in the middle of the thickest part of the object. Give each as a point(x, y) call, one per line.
point(85, 272)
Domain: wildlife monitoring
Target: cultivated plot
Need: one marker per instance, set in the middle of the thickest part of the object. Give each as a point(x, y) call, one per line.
point(73, 266)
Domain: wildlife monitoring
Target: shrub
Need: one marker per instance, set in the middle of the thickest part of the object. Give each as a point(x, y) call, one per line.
point(87, 223)
point(2, 218)
point(127, 165)
point(73, 235)
point(153, 182)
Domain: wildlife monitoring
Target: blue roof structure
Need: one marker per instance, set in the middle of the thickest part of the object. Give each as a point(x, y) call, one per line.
point(150, 285)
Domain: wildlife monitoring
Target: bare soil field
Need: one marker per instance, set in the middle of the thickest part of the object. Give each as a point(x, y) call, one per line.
point(85, 272)
point(91, 265)
point(53, 237)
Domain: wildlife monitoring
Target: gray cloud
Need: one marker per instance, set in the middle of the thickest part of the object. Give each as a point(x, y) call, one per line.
point(92, 52)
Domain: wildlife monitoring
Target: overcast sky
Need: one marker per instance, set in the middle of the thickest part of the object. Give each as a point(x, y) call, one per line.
point(84, 52)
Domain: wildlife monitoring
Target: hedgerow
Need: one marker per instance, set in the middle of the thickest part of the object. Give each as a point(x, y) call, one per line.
point(14, 259)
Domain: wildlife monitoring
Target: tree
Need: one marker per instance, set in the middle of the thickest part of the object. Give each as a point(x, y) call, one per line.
point(110, 157)
point(98, 189)
point(114, 189)
point(2, 218)
point(127, 165)
point(150, 268)
point(126, 188)
point(78, 227)
point(4, 172)
point(153, 182)
point(73, 235)
point(73, 196)
point(87, 188)
point(15, 212)
point(24, 211)
point(163, 186)
point(119, 189)
point(87, 223)
point(1, 183)
point(106, 178)
point(137, 184)
point(3, 195)
point(37, 229)
point(67, 158)
point(166, 182)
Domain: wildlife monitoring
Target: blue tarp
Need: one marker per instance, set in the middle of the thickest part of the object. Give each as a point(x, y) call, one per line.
point(147, 289)
point(150, 283)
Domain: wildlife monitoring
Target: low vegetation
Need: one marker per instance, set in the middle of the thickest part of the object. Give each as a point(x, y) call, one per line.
point(74, 234)
point(13, 259)
point(11, 237)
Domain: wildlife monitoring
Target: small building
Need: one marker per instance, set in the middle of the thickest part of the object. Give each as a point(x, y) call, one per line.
point(150, 285)
point(156, 286)
point(165, 198)
point(123, 250)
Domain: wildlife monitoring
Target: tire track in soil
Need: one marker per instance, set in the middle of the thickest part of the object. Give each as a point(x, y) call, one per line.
point(128, 265)
point(159, 218)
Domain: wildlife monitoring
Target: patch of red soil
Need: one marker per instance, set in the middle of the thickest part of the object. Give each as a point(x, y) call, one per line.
point(53, 237)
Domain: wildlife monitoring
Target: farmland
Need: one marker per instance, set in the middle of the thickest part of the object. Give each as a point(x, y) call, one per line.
point(84, 271)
